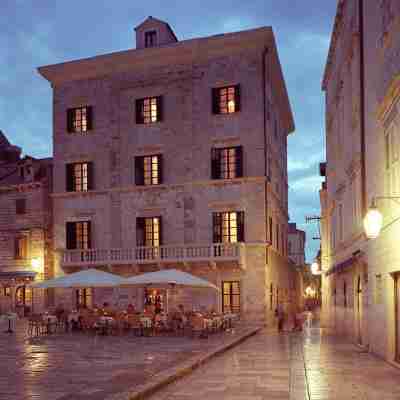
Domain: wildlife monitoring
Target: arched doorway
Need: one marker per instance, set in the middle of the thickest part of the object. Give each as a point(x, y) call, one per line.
point(359, 310)
point(23, 300)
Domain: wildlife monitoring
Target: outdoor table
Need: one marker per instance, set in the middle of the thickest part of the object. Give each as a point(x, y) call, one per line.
point(49, 320)
point(146, 323)
point(207, 324)
point(105, 323)
point(10, 317)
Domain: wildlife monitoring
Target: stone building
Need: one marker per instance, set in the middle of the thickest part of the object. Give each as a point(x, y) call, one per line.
point(173, 154)
point(362, 87)
point(25, 228)
point(296, 245)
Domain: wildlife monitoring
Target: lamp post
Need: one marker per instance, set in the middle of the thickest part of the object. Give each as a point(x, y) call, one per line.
point(373, 220)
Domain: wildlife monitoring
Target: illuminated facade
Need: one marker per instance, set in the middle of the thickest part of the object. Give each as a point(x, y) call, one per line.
point(163, 157)
point(362, 85)
point(25, 228)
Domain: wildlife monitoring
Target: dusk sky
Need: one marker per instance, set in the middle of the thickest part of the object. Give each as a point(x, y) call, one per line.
point(41, 32)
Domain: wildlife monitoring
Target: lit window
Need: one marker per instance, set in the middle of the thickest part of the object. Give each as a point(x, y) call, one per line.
point(149, 110)
point(78, 235)
point(231, 297)
point(79, 177)
point(148, 170)
point(226, 100)
point(227, 163)
point(148, 231)
point(79, 119)
point(21, 247)
point(228, 227)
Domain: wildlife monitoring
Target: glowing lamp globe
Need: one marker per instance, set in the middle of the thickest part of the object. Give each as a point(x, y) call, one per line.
point(314, 268)
point(373, 223)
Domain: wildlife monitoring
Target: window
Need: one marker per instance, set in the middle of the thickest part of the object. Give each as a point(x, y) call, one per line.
point(231, 297)
point(148, 232)
point(392, 160)
point(227, 163)
point(228, 227)
point(270, 230)
point(21, 247)
point(7, 291)
point(150, 39)
point(79, 120)
point(148, 170)
point(20, 206)
point(79, 177)
point(149, 110)
point(78, 235)
point(344, 294)
point(271, 296)
point(341, 228)
point(226, 100)
point(83, 298)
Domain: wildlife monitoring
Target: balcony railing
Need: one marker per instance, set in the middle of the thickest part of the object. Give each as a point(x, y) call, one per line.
point(148, 255)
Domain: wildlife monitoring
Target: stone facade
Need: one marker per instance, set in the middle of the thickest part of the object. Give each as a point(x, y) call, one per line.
point(360, 298)
point(183, 73)
point(25, 228)
point(296, 245)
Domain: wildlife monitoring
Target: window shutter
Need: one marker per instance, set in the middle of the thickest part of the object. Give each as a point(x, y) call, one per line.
point(16, 248)
point(69, 174)
point(270, 231)
point(217, 228)
point(90, 172)
point(240, 226)
point(160, 108)
point(139, 112)
point(160, 227)
point(215, 163)
point(160, 169)
point(70, 120)
point(239, 161)
point(139, 171)
point(237, 98)
point(89, 116)
point(140, 231)
point(215, 100)
point(70, 235)
point(89, 230)
point(24, 247)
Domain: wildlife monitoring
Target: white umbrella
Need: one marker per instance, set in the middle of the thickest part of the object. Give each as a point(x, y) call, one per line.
point(168, 277)
point(89, 278)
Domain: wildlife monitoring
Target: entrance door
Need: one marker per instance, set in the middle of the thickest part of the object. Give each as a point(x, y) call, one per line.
point(23, 299)
point(397, 314)
point(231, 296)
point(359, 310)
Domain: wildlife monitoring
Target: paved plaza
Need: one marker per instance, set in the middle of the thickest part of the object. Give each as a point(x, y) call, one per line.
point(290, 366)
point(78, 366)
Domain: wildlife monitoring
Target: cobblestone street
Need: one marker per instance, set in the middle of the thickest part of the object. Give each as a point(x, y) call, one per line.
point(295, 367)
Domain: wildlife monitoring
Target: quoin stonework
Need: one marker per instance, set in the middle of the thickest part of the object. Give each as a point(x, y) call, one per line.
point(361, 283)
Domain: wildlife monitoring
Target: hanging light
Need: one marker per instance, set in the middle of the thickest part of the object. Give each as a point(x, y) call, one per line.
point(315, 268)
point(373, 222)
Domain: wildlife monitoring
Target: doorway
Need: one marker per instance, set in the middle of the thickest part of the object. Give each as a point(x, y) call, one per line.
point(397, 315)
point(23, 300)
point(359, 310)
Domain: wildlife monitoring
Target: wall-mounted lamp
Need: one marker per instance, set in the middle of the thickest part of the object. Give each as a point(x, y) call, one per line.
point(373, 220)
point(36, 265)
point(315, 268)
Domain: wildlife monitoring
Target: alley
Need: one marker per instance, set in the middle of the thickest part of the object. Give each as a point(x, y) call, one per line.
point(313, 366)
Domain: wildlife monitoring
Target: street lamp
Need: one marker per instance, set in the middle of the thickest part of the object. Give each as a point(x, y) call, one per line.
point(315, 268)
point(373, 220)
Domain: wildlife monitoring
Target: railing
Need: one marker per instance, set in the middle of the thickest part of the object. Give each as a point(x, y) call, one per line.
point(138, 255)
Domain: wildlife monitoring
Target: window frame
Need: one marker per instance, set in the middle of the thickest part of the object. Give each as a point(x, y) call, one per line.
point(87, 121)
point(145, 237)
point(221, 95)
point(141, 106)
point(21, 252)
point(229, 308)
point(220, 157)
point(86, 181)
point(149, 35)
point(156, 174)
point(76, 237)
point(218, 227)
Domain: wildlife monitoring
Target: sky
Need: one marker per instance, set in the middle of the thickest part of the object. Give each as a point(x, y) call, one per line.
point(42, 32)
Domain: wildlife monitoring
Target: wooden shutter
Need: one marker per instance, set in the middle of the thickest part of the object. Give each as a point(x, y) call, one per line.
point(240, 226)
point(90, 175)
point(160, 108)
point(215, 100)
point(70, 228)
point(160, 227)
point(215, 163)
point(16, 248)
point(89, 116)
point(89, 230)
point(217, 227)
point(70, 120)
point(139, 111)
point(139, 171)
point(237, 98)
point(140, 231)
point(69, 175)
point(270, 231)
point(239, 161)
point(160, 168)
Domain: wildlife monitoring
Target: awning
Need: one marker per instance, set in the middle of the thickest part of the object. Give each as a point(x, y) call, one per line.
point(342, 266)
point(17, 274)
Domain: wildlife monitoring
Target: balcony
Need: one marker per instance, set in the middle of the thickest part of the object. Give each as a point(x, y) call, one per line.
point(220, 252)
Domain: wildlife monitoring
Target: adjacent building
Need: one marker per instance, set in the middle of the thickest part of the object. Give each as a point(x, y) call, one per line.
point(173, 154)
point(25, 228)
point(296, 245)
point(362, 85)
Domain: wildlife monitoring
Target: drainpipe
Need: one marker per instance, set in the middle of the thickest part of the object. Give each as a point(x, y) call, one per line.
point(362, 108)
